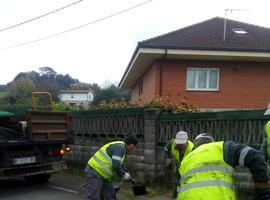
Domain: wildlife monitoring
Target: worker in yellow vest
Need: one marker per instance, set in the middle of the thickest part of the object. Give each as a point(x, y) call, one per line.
point(207, 172)
point(265, 148)
point(102, 166)
point(177, 149)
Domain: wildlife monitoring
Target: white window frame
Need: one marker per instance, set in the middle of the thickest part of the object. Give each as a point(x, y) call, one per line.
point(207, 79)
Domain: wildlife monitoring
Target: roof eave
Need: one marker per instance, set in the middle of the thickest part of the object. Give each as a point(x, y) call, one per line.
point(143, 57)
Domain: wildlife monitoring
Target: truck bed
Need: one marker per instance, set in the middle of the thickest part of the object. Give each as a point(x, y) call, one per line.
point(46, 126)
point(40, 126)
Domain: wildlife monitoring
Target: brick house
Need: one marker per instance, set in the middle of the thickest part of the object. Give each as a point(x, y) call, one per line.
point(217, 64)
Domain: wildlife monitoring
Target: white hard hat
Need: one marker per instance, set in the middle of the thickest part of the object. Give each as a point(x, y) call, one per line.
point(267, 112)
point(202, 138)
point(181, 137)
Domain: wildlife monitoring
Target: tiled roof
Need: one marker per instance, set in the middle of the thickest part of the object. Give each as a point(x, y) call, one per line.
point(209, 35)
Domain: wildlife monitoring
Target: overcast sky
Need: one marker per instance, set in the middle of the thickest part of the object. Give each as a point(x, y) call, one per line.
point(99, 52)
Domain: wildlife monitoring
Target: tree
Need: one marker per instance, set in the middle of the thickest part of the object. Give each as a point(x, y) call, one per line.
point(47, 72)
point(20, 90)
point(64, 81)
point(110, 93)
point(80, 86)
point(95, 87)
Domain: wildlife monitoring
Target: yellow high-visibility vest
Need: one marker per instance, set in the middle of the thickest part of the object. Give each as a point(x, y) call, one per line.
point(175, 151)
point(267, 130)
point(205, 175)
point(101, 162)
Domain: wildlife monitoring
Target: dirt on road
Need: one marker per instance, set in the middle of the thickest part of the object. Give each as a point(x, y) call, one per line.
point(153, 193)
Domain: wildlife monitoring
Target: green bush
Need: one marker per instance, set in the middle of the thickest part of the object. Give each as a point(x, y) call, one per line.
point(159, 102)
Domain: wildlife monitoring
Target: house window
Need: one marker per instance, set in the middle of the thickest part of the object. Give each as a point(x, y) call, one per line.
point(239, 31)
point(140, 88)
point(205, 79)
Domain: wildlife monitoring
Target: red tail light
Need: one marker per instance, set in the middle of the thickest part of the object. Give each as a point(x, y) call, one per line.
point(62, 151)
point(68, 149)
point(59, 151)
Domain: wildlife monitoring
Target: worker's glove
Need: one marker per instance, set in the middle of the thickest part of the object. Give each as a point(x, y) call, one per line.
point(126, 177)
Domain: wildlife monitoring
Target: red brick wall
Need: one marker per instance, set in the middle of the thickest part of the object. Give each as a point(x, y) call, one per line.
point(150, 81)
point(242, 85)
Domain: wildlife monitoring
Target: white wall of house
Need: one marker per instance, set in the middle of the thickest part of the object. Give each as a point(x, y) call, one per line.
point(78, 98)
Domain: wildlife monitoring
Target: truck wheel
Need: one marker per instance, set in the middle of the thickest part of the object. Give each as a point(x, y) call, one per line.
point(40, 178)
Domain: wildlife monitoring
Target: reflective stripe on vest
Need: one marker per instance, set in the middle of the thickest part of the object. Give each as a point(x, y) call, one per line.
point(205, 184)
point(205, 175)
point(207, 168)
point(243, 155)
point(107, 158)
point(101, 162)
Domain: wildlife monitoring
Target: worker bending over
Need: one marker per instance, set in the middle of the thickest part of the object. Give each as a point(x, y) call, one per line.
point(207, 173)
point(102, 165)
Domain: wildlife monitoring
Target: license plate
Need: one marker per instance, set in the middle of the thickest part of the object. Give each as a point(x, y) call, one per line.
point(25, 160)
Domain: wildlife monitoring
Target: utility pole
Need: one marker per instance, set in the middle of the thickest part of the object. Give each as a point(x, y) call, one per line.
point(225, 19)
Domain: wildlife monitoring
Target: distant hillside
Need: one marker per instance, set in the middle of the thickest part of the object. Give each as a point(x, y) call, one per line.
point(19, 91)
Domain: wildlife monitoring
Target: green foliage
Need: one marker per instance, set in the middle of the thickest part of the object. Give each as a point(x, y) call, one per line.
point(47, 71)
point(165, 105)
point(161, 103)
point(114, 104)
point(20, 91)
point(73, 108)
point(61, 106)
point(80, 86)
point(110, 94)
point(3, 94)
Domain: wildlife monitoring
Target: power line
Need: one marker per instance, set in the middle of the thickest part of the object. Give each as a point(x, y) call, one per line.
point(78, 27)
point(43, 15)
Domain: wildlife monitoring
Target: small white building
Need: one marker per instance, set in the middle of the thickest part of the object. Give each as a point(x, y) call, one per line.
point(77, 97)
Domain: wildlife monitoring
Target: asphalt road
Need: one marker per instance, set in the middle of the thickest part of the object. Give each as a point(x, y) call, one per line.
point(61, 187)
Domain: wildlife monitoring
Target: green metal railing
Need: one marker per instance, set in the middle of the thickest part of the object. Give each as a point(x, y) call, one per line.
point(108, 123)
point(246, 126)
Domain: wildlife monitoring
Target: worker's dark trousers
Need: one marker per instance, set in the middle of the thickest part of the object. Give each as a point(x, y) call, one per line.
point(97, 188)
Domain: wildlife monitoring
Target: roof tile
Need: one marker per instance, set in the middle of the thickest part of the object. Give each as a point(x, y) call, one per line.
point(208, 35)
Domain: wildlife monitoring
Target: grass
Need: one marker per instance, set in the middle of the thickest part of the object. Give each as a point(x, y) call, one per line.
point(158, 189)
